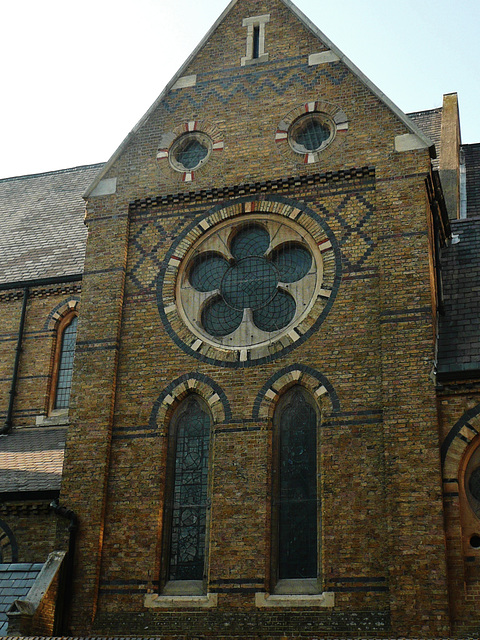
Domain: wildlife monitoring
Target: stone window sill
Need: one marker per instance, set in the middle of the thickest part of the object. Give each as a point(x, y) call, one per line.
point(161, 601)
point(56, 418)
point(326, 599)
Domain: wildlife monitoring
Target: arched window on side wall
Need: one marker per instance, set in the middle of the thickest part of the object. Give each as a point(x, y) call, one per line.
point(295, 492)
point(63, 362)
point(187, 496)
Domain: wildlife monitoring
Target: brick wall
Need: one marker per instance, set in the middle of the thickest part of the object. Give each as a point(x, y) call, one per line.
point(381, 513)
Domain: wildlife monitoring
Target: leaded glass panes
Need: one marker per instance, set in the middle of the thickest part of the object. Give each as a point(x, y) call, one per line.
point(190, 491)
point(190, 151)
point(248, 276)
point(65, 366)
point(251, 240)
point(310, 133)
point(207, 272)
point(297, 491)
point(219, 319)
point(292, 261)
point(276, 314)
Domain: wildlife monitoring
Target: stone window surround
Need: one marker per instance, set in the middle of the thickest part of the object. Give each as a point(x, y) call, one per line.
point(285, 209)
point(250, 23)
point(58, 321)
point(215, 241)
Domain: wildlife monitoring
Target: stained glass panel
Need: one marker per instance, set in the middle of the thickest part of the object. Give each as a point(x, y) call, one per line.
point(190, 153)
point(65, 367)
point(207, 272)
point(252, 240)
point(276, 314)
point(250, 283)
point(292, 261)
point(219, 319)
point(310, 133)
point(474, 483)
point(298, 489)
point(189, 511)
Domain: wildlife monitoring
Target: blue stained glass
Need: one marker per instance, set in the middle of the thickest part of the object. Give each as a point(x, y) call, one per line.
point(292, 261)
point(298, 490)
point(65, 368)
point(253, 240)
point(190, 153)
point(311, 133)
point(187, 545)
point(251, 283)
point(219, 319)
point(207, 272)
point(276, 314)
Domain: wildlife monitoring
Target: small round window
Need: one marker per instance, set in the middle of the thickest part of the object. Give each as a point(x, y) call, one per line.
point(190, 151)
point(310, 133)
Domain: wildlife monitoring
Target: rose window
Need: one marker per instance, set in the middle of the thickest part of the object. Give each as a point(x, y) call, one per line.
point(247, 282)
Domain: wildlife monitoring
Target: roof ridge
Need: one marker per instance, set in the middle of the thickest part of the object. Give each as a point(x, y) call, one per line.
point(56, 172)
point(417, 113)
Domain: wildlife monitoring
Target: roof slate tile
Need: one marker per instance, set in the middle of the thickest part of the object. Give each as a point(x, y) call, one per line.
point(42, 215)
point(32, 460)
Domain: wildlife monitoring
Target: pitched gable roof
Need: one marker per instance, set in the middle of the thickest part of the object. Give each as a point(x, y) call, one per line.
point(409, 124)
point(43, 234)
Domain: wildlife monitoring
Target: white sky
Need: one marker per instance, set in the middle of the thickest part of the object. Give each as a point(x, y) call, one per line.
point(77, 76)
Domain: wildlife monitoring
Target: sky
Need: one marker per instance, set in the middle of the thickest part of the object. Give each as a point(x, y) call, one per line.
point(77, 76)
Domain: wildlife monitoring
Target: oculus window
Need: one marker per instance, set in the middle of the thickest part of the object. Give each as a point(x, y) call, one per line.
point(310, 133)
point(249, 281)
point(190, 151)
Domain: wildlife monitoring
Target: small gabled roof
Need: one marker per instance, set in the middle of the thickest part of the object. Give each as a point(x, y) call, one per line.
point(409, 124)
point(43, 234)
point(16, 580)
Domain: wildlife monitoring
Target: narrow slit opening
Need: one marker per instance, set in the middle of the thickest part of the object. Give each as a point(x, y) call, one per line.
point(256, 41)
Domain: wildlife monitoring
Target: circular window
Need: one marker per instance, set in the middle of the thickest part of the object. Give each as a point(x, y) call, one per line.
point(249, 281)
point(190, 151)
point(310, 133)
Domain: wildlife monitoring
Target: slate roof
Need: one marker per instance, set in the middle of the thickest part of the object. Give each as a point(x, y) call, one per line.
point(15, 582)
point(472, 164)
point(459, 339)
point(41, 215)
point(430, 122)
point(32, 459)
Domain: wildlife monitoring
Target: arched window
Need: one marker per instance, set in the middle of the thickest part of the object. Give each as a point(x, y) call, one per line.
point(187, 494)
point(63, 362)
point(295, 490)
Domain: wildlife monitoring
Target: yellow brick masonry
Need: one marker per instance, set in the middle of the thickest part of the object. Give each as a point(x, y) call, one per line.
point(381, 513)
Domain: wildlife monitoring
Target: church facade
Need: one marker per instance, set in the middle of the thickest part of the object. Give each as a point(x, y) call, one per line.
point(272, 428)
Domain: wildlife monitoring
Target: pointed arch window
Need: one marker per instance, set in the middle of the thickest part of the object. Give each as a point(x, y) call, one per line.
point(186, 506)
point(295, 512)
point(63, 362)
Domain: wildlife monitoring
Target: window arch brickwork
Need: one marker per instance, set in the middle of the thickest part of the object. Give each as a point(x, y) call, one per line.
point(64, 319)
point(314, 381)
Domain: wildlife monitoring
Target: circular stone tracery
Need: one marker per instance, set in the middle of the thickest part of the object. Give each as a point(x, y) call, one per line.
point(248, 282)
